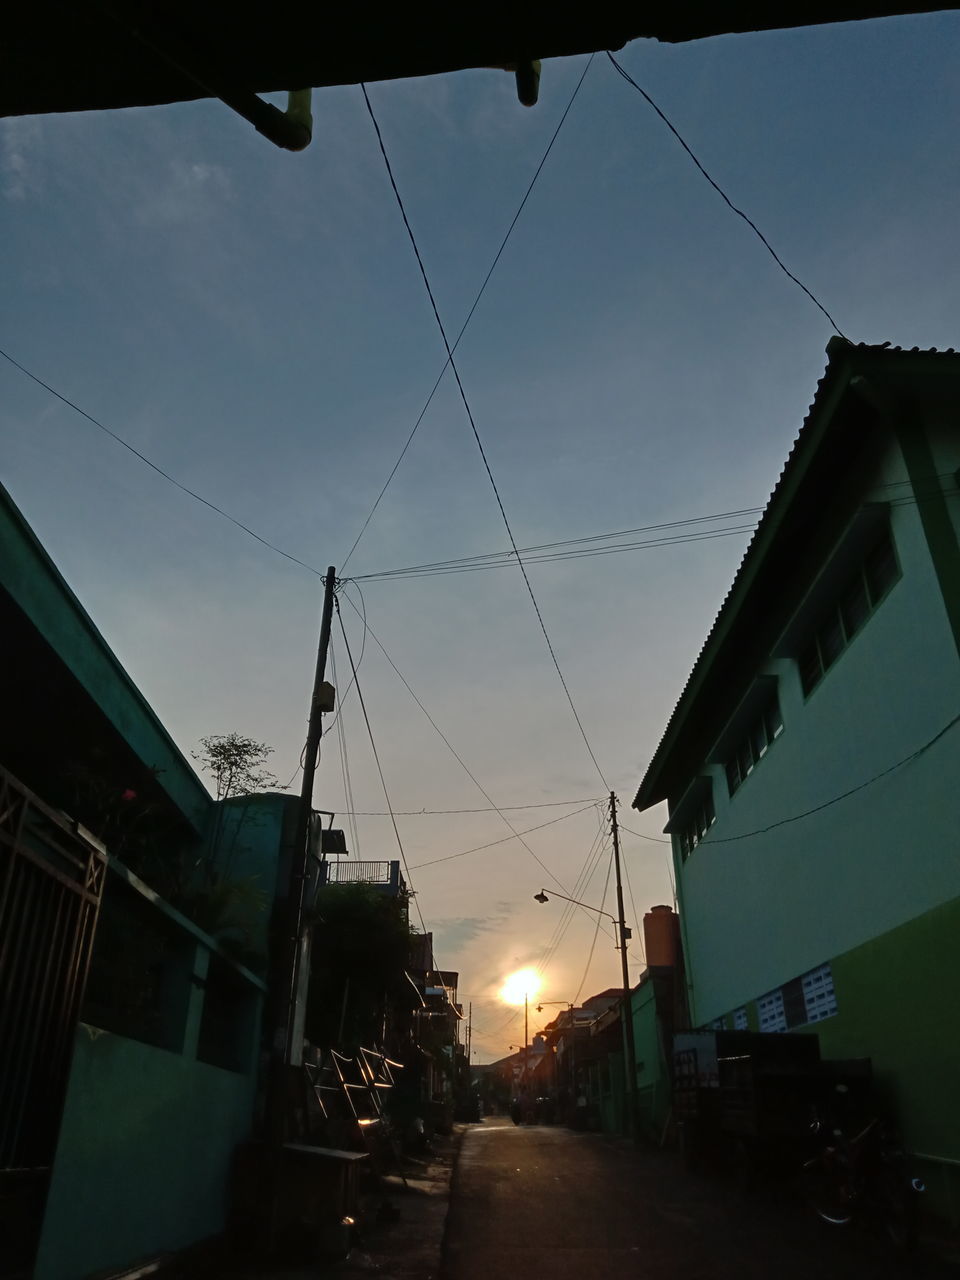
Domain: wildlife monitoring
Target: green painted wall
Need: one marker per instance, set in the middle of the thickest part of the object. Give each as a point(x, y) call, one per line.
point(143, 1161)
point(759, 910)
point(896, 1002)
point(41, 592)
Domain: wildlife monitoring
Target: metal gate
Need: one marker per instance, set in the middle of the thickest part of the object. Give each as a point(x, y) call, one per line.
point(51, 882)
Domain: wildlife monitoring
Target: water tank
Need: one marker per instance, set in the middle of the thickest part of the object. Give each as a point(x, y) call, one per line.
point(661, 937)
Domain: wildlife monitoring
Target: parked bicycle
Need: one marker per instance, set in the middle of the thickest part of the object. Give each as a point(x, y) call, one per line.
point(864, 1178)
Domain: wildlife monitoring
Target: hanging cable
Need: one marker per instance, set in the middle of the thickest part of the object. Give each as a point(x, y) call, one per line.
point(596, 933)
point(191, 493)
point(476, 436)
point(726, 199)
point(451, 857)
point(344, 761)
point(376, 757)
point(533, 555)
point(476, 303)
point(456, 755)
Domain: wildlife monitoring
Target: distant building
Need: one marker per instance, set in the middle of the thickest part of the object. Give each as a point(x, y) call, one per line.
point(810, 766)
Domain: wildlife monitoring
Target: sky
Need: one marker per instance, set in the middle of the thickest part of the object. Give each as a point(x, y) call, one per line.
point(254, 322)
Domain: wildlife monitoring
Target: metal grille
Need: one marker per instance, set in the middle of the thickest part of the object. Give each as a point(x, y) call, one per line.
point(357, 873)
point(51, 882)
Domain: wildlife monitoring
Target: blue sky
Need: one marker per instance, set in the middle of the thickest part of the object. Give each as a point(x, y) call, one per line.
point(255, 323)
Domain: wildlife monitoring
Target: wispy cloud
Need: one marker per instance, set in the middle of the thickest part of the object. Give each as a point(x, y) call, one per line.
point(193, 190)
point(19, 175)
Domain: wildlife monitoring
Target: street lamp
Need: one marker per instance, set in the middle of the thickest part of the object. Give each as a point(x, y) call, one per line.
point(626, 1015)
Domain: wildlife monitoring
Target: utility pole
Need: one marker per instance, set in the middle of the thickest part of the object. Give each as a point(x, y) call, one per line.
point(526, 1041)
point(288, 1046)
point(629, 1045)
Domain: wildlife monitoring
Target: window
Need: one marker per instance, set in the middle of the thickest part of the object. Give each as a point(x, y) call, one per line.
point(697, 824)
point(772, 1015)
point(810, 998)
point(819, 997)
point(740, 1020)
point(766, 726)
point(858, 599)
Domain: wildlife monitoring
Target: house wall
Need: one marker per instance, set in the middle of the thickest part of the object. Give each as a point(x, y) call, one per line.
point(153, 1116)
point(761, 910)
point(653, 1082)
point(41, 592)
point(894, 1006)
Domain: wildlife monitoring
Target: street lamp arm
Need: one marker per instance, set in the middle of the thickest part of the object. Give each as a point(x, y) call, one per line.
point(543, 897)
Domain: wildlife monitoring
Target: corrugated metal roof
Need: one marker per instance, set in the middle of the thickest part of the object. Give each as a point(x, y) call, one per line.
point(843, 358)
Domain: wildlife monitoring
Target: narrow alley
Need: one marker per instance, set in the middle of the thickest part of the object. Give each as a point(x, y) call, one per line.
point(577, 1205)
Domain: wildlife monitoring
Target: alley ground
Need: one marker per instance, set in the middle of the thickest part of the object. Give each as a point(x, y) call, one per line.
point(547, 1201)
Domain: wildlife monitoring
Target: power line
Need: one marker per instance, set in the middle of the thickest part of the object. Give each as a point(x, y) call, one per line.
point(453, 751)
point(383, 781)
point(476, 436)
point(344, 761)
point(641, 836)
point(596, 933)
point(450, 857)
point(503, 808)
point(726, 199)
point(568, 548)
point(797, 817)
point(191, 493)
point(476, 303)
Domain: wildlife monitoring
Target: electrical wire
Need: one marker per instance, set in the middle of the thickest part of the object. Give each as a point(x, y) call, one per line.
point(568, 549)
point(476, 303)
point(638, 923)
point(641, 836)
point(476, 436)
point(726, 199)
point(450, 857)
point(159, 470)
point(568, 909)
point(503, 808)
point(596, 934)
point(363, 650)
point(383, 781)
point(456, 755)
point(344, 759)
point(798, 817)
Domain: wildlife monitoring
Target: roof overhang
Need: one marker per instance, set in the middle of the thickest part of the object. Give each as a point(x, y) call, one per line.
point(60, 56)
point(813, 510)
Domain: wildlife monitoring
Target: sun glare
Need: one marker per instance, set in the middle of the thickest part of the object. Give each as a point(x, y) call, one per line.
point(525, 982)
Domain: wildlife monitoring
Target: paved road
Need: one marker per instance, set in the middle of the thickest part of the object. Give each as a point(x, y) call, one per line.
point(545, 1201)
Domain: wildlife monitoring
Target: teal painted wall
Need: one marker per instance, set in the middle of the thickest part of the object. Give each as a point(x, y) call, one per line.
point(143, 1161)
point(251, 839)
point(761, 910)
point(39, 589)
point(653, 1080)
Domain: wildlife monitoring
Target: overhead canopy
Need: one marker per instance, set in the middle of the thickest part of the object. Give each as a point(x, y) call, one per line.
point(60, 56)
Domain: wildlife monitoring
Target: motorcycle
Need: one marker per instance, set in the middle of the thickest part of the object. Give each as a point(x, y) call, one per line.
point(864, 1178)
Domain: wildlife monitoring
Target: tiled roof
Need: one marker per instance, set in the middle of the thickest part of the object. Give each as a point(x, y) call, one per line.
point(842, 357)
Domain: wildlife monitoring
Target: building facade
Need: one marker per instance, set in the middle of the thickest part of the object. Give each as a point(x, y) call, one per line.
point(809, 764)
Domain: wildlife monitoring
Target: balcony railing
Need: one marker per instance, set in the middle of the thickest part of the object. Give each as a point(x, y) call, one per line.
point(383, 874)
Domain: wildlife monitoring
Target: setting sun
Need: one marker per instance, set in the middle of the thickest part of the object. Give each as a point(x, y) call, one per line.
point(523, 983)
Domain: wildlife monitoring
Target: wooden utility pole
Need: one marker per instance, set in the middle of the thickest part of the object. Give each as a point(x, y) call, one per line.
point(629, 1044)
point(287, 1046)
point(299, 866)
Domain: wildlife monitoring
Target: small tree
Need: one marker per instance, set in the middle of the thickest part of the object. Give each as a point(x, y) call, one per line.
point(235, 763)
point(237, 766)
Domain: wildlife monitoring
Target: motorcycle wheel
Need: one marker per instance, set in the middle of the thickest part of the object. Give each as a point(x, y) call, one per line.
point(827, 1193)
